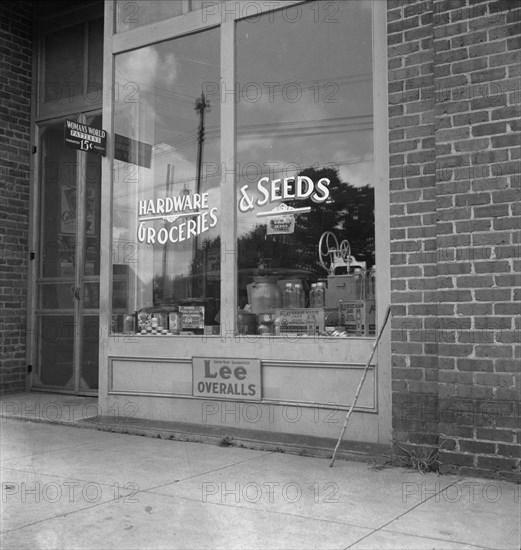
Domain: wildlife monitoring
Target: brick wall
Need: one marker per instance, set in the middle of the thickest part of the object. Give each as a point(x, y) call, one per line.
point(454, 107)
point(413, 221)
point(454, 117)
point(15, 96)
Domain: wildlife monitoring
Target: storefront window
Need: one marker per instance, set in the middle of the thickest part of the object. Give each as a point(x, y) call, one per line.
point(305, 142)
point(166, 208)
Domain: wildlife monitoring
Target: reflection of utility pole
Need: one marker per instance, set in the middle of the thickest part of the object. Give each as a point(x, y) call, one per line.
point(201, 105)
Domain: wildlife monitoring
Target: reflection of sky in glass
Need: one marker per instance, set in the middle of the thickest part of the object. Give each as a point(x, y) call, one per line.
point(305, 96)
point(157, 87)
point(137, 13)
point(143, 12)
point(156, 90)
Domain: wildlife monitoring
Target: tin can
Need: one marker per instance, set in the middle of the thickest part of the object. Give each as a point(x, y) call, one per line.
point(117, 323)
point(174, 321)
point(114, 324)
point(162, 319)
point(129, 324)
point(143, 320)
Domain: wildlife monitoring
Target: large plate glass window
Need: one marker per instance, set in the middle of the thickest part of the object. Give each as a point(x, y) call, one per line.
point(305, 184)
point(166, 189)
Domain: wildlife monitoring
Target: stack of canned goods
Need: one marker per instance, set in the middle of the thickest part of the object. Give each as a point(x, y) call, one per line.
point(151, 321)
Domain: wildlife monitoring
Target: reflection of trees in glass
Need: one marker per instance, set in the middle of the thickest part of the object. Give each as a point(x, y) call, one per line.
point(348, 212)
point(162, 287)
point(205, 269)
point(203, 280)
point(170, 290)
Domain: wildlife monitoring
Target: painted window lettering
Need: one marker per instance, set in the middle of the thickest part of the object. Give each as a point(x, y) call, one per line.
point(196, 218)
point(282, 189)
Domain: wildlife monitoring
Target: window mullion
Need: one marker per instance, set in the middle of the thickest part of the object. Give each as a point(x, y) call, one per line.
point(228, 176)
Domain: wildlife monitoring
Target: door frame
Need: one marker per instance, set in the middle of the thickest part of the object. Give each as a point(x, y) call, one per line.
point(79, 387)
point(45, 23)
point(116, 353)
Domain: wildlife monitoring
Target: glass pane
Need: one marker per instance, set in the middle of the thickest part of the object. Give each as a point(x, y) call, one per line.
point(235, 9)
point(305, 141)
point(166, 188)
point(137, 13)
point(130, 15)
point(90, 295)
point(64, 64)
point(90, 358)
point(120, 283)
point(61, 295)
point(92, 208)
point(58, 192)
point(56, 295)
point(95, 77)
point(56, 337)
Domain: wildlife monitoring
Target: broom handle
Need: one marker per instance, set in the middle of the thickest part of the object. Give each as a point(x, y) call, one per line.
point(353, 404)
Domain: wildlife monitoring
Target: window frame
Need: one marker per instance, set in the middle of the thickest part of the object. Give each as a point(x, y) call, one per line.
point(225, 18)
point(84, 16)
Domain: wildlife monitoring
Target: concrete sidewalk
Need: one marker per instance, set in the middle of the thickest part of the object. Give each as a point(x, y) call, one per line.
point(64, 487)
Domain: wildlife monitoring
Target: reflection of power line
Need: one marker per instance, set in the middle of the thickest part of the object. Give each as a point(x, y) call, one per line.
point(158, 91)
point(323, 89)
point(346, 162)
point(287, 172)
point(315, 121)
point(351, 122)
point(216, 175)
point(309, 127)
point(187, 139)
point(279, 129)
point(244, 88)
point(276, 130)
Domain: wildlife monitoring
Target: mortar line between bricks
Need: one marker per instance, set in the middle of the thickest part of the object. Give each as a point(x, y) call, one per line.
point(403, 514)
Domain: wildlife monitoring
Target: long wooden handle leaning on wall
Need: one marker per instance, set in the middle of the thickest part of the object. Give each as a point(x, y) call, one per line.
point(353, 404)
